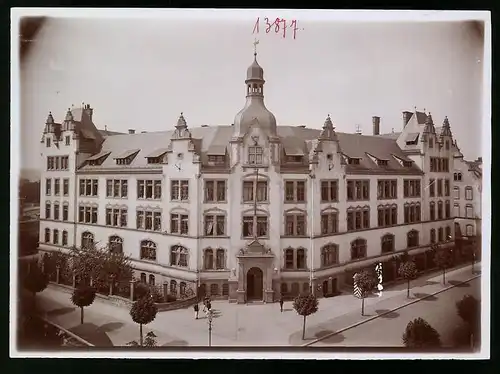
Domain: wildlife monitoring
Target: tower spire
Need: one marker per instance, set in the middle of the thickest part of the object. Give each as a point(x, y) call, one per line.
point(255, 47)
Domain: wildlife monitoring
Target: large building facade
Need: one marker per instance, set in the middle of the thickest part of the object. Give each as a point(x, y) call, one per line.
point(249, 210)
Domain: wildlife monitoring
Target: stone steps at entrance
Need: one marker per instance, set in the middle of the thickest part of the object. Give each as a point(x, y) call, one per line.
point(255, 302)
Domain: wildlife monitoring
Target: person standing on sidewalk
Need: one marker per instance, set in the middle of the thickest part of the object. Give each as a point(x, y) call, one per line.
point(196, 310)
point(281, 303)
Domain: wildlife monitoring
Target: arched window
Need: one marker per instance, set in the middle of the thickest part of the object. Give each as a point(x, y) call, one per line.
point(179, 256)
point(456, 193)
point(433, 236)
point(220, 259)
point(173, 287)
point(214, 289)
point(225, 289)
point(148, 250)
point(209, 259)
point(182, 288)
point(143, 278)
point(64, 238)
point(289, 258)
point(47, 236)
point(440, 234)
point(387, 243)
point(87, 239)
point(459, 177)
point(329, 255)
point(55, 238)
point(440, 210)
point(358, 249)
point(284, 288)
point(412, 239)
point(432, 210)
point(301, 258)
point(152, 280)
point(447, 209)
point(448, 233)
point(468, 194)
point(469, 230)
point(115, 244)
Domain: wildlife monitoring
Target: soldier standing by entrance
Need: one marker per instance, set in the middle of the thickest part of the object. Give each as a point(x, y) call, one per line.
point(281, 303)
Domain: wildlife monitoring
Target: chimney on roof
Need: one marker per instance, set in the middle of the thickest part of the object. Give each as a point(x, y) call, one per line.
point(87, 109)
point(479, 159)
point(406, 117)
point(376, 125)
point(131, 131)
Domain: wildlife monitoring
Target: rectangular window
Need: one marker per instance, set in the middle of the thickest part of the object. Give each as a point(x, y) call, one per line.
point(57, 186)
point(255, 155)
point(456, 210)
point(47, 142)
point(358, 190)
point(67, 138)
point(295, 225)
point(387, 189)
point(116, 217)
point(89, 187)
point(387, 216)
point(65, 186)
point(446, 187)
point(329, 191)
point(468, 193)
point(432, 189)
point(329, 223)
point(358, 219)
point(295, 191)
point(56, 211)
point(48, 185)
point(65, 213)
point(47, 210)
point(411, 188)
point(247, 226)
point(440, 187)
point(469, 211)
point(215, 190)
point(179, 224)
point(87, 214)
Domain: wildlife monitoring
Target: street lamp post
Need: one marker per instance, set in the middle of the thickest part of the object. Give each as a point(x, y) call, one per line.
point(209, 315)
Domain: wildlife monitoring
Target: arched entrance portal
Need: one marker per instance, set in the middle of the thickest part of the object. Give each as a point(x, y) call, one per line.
point(255, 284)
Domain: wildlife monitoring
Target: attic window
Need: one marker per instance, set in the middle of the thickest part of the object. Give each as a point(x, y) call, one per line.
point(382, 162)
point(154, 160)
point(294, 159)
point(407, 164)
point(97, 159)
point(412, 139)
point(353, 161)
point(216, 159)
point(127, 157)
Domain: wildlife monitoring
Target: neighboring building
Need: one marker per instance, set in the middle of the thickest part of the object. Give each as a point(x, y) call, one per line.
point(249, 209)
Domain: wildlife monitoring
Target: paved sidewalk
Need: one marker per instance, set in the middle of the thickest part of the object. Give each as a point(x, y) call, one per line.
point(234, 324)
point(420, 291)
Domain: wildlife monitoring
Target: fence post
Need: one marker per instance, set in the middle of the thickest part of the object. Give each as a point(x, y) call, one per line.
point(132, 290)
point(57, 274)
point(74, 280)
point(165, 290)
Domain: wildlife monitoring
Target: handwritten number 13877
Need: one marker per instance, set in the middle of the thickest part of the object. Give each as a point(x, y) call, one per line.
point(277, 25)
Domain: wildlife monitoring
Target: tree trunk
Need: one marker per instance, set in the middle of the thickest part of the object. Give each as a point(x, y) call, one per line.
point(362, 306)
point(140, 331)
point(304, 329)
point(81, 315)
point(408, 290)
point(444, 277)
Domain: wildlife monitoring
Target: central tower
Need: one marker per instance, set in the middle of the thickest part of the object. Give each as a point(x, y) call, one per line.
point(254, 113)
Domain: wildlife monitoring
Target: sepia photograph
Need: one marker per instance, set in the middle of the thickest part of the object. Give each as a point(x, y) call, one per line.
point(257, 183)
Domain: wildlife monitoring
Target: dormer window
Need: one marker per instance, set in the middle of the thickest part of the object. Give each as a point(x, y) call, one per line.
point(255, 155)
point(47, 142)
point(412, 139)
point(295, 159)
point(353, 161)
point(216, 159)
point(97, 159)
point(407, 164)
point(127, 157)
point(382, 162)
point(154, 160)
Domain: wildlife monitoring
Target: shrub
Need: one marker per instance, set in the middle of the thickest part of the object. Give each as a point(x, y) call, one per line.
point(171, 298)
point(305, 305)
point(157, 294)
point(35, 281)
point(469, 310)
point(419, 334)
point(141, 290)
point(82, 297)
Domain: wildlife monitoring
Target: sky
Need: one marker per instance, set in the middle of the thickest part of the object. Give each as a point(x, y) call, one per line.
point(141, 74)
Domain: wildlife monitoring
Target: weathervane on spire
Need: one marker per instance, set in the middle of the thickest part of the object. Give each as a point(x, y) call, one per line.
point(255, 47)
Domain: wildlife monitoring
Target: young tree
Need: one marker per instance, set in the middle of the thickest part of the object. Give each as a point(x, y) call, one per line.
point(365, 281)
point(408, 270)
point(469, 310)
point(143, 311)
point(443, 259)
point(305, 305)
point(419, 334)
point(149, 341)
point(35, 281)
point(83, 296)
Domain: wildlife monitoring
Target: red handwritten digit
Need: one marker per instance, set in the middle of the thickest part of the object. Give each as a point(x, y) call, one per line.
point(295, 28)
point(284, 27)
point(256, 26)
point(268, 25)
point(277, 22)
